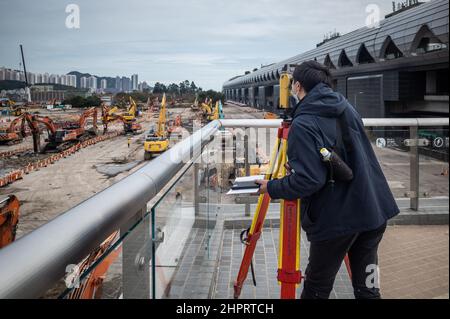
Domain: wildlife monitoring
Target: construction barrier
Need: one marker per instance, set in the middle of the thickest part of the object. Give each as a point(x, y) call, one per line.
point(18, 174)
point(16, 151)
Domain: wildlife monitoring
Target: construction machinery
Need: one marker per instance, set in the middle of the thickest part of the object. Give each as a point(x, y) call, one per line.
point(11, 134)
point(195, 106)
point(109, 116)
point(217, 113)
point(59, 136)
point(157, 141)
point(92, 286)
point(270, 116)
point(206, 108)
point(132, 111)
point(174, 126)
point(9, 218)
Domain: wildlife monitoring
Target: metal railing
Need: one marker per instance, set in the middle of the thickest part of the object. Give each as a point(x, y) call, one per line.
point(35, 262)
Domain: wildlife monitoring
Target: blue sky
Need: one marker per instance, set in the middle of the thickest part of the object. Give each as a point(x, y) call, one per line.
point(208, 41)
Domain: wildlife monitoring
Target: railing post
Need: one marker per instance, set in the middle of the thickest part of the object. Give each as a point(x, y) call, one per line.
point(196, 190)
point(414, 168)
point(247, 167)
point(136, 255)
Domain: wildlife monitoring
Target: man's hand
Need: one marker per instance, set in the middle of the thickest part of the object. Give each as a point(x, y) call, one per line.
point(263, 185)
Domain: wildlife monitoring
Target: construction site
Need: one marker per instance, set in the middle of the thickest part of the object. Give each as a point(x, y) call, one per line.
point(137, 195)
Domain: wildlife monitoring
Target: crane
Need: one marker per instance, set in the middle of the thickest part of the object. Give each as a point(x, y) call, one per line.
point(157, 141)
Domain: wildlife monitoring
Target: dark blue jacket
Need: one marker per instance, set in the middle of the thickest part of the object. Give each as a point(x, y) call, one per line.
point(327, 212)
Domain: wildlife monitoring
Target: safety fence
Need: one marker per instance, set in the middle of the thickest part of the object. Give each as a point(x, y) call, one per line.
point(36, 165)
point(16, 151)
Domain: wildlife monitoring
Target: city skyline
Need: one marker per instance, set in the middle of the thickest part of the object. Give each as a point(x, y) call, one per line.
point(92, 81)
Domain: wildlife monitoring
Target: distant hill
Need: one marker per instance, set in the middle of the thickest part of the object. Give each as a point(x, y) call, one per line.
point(110, 81)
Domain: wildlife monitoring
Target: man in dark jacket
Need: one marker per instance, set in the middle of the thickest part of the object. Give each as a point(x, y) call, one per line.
point(340, 217)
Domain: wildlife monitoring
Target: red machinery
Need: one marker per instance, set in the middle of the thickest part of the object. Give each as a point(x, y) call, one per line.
point(11, 134)
point(9, 218)
point(58, 136)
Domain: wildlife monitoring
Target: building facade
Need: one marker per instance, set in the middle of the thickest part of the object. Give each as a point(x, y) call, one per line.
point(397, 69)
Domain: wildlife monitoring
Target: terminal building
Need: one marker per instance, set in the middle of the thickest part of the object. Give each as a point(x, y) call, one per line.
point(398, 69)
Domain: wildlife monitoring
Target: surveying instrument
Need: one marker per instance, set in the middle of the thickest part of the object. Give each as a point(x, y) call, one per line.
point(289, 275)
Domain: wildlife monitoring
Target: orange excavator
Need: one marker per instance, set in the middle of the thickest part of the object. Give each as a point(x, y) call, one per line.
point(9, 218)
point(11, 134)
point(91, 286)
point(59, 136)
point(174, 126)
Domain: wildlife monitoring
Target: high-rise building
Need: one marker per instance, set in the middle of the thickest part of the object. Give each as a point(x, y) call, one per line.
point(103, 84)
point(84, 82)
point(126, 84)
point(92, 82)
point(2, 74)
point(53, 78)
point(73, 80)
point(143, 86)
point(134, 82)
point(118, 85)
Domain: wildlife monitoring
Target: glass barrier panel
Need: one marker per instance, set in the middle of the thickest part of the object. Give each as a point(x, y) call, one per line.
point(119, 269)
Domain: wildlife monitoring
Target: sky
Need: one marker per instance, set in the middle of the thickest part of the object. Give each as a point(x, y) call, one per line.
point(205, 41)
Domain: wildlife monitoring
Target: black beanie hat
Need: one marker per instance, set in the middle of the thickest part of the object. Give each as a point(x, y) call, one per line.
point(311, 73)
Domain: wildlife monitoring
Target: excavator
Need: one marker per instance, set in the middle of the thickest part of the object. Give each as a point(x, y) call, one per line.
point(157, 142)
point(217, 113)
point(206, 107)
point(59, 137)
point(91, 287)
point(109, 115)
point(131, 112)
point(9, 218)
point(11, 135)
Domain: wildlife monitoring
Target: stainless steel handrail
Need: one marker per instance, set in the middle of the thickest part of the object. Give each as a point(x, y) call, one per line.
point(368, 122)
point(32, 264)
point(35, 262)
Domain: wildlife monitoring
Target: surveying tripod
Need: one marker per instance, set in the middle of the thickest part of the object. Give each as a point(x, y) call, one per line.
point(289, 273)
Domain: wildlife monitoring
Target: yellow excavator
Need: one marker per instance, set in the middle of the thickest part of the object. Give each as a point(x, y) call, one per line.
point(109, 113)
point(157, 142)
point(217, 114)
point(206, 108)
point(131, 112)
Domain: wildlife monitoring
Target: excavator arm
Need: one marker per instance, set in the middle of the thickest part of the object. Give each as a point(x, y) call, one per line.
point(92, 112)
point(161, 128)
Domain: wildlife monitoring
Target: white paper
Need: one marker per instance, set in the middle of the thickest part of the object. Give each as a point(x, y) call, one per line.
point(247, 190)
